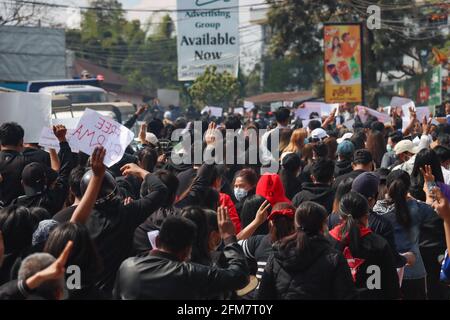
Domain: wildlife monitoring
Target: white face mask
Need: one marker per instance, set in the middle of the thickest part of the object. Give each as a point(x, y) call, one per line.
point(240, 193)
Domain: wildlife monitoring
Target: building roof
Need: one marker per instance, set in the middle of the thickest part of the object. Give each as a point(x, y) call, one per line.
point(269, 97)
point(110, 77)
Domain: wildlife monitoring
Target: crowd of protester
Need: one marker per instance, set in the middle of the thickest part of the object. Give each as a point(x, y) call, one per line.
point(352, 213)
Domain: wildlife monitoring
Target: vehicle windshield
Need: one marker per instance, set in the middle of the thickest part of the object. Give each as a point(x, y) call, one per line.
point(85, 97)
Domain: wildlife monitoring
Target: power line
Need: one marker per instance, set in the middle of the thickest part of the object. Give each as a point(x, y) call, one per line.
point(65, 6)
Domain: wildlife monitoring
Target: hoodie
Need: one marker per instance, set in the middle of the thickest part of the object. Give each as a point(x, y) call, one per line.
point(342, 167)
point(270, 187)
point(318, 273)
point(320, 193)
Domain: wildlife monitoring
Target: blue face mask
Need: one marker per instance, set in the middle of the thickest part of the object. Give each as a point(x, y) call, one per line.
point(240, 193)
point(389, 148)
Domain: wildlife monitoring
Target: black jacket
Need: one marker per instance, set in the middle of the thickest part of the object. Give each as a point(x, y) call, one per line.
point(318, 273)
point(53, 198)
point(380, 226)
point(201, 183)
point(317, 192)
point(342, 167)
point(14, 290)
point(112, 227)
point(376, 251)
point(141, 243)
point(160, 275)
point(351, 174)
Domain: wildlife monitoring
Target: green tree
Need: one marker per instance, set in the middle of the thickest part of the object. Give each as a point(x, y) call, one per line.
point(214, 89)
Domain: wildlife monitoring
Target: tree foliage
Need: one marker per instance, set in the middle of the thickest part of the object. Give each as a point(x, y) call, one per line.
point(214, 89)
point(147, 58)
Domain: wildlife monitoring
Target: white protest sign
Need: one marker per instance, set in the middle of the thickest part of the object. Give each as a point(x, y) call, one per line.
point(422, 112)
point(248, 105)
point(207, 35)
point(288, 104)
point(382, 117)
point(307, 121)
point(31, 110)
point(327, 108)
point(310, 107)
point(213, 111)
point(48, 139)
point(399, 101)
point(69, 123)
point(406, 107)
point(239, 111)
point(94, 130)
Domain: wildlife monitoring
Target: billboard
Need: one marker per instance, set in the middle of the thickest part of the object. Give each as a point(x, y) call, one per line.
point(32, 53)
point(424, 89)
point(342, 63)
point(207, 35)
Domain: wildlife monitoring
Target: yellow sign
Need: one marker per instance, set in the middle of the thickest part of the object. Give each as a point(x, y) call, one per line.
point(342, 62)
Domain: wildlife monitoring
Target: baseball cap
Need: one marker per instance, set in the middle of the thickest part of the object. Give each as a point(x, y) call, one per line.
point(319, 133)
point(367, 184)
point(34, 178)
point(150, 137)
point(405, 146)
point(362, 156)
point(346, 136)
point(345, 148)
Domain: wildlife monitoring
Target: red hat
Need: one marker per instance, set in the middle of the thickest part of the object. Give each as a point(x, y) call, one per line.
point(270, 187)
point(287, 212)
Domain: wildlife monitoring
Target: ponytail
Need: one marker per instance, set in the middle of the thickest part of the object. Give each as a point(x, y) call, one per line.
point(352, 208)
point(310, 218)
point(398, 184)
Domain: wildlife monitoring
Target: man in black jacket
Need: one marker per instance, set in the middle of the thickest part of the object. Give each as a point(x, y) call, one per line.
point(12, 161)
point(166, 274)
point(35, 179)
point(362, 162)
point(319, 190)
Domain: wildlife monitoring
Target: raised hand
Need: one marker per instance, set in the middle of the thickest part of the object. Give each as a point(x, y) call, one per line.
point(133, 169)
point(141, 109)
point(226, 227)
point(210, 133)
point(97, 157)
point(262, 213)
point(60, 132)
point(142, 133)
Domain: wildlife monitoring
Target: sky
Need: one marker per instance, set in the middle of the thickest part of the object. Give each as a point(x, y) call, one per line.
point(250, 35)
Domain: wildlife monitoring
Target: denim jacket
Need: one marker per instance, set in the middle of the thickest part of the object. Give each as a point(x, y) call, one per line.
point(408, 239)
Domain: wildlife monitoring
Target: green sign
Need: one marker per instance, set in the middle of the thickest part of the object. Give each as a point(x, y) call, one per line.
point(424, 89)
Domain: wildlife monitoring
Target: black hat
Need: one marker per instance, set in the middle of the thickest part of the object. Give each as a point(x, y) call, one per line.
point(34, 178)
point(291, 161)
point(362, 156)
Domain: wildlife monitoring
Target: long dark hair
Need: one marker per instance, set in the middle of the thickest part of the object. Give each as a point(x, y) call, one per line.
point(309, 218)
point(84, 252)
point(284, 225)
point(398, 183)
point(376, 145)
point(353, 206)
point(200, 251)
point(344, 187)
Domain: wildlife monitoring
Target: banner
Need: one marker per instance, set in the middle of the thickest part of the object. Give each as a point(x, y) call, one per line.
point(31, 110)
point(342, 63)
point(207, 35)
point(94, 129)
point(425, 89)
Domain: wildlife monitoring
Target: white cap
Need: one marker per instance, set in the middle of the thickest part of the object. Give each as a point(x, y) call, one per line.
point(319, 133)
point(405, 146)
point(149, 137)
point(168, 115)
point(346, 136)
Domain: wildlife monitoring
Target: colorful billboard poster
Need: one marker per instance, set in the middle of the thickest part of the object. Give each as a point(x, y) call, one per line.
point(342, 63)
